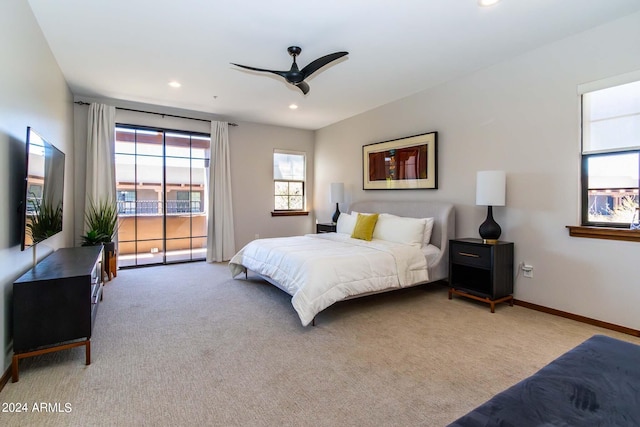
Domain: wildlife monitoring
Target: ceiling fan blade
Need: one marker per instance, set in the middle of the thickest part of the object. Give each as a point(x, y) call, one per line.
point(321, 62)
point(303, 87)
point(280, 73)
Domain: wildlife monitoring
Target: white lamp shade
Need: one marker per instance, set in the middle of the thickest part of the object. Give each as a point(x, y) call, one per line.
point(491, 188)
point(337, 192)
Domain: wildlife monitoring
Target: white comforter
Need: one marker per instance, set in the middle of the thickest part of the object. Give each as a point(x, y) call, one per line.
point(321, 269)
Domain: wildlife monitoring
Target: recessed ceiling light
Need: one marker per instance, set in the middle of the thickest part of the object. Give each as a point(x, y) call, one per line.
point(174, 84)
point(487, 3)
point(293, 106)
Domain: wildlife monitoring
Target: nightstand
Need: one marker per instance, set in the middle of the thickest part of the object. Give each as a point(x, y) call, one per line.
point(481, 271)
point(328, 227)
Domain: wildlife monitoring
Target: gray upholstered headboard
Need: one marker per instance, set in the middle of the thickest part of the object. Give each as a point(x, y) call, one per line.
point(443, 227)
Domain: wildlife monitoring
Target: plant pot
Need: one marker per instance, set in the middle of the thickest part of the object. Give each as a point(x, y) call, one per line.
point(110, 259)
point(109, 247)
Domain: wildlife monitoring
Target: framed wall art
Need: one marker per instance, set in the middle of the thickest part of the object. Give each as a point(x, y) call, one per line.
point(401, 164)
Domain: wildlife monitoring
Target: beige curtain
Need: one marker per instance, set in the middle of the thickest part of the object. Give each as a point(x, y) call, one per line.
point(220, 236)
point(101, 162)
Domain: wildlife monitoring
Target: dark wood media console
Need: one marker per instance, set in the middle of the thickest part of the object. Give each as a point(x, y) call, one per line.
point(55, 304)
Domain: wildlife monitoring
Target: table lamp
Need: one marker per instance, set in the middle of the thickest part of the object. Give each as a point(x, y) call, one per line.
point(490, 192)
point(337, 197)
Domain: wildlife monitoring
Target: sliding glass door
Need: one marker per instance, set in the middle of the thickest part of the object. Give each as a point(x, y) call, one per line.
point(161, 182)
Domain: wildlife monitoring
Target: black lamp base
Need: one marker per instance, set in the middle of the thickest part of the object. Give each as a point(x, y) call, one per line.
point(490, 230)
point(336, 214)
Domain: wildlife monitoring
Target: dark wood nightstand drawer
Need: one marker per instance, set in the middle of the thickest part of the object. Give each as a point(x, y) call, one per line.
point(476, 256)
point(326, 228)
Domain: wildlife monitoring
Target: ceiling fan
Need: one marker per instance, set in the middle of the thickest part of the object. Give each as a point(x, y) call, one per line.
point(296, 76)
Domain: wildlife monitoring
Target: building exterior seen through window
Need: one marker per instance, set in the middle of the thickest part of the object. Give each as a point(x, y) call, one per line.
point(611, 155)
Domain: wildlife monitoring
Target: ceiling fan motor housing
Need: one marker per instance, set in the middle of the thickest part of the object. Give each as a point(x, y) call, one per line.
point(294, 51)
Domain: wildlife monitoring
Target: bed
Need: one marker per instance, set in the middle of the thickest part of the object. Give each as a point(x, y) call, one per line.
point(318, 270)
point(595, 384)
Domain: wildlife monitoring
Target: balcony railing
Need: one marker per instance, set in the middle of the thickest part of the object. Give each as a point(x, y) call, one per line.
point(155, 207)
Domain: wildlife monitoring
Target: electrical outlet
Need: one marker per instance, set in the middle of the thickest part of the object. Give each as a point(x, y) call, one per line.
point(527, 270)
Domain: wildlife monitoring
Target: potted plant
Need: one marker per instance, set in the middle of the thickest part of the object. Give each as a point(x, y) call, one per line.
point(93, 238)
point(102, 222)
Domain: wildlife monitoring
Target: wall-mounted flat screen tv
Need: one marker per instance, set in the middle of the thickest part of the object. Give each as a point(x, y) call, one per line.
point(43, 190)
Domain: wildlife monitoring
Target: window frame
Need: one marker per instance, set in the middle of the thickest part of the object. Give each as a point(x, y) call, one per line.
point(595, 229)
point(166, 138)
point(584, 177)
point(290, 212)
point(289, 195)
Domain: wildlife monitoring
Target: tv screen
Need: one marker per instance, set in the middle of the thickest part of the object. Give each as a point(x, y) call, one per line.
point(43, 190)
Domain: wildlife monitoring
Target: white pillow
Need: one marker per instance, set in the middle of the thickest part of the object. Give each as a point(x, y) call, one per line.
point(399, 229)
point(428, 228)
point(346, 223)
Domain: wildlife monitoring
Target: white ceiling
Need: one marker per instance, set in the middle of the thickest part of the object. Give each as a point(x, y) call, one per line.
point(130, 49)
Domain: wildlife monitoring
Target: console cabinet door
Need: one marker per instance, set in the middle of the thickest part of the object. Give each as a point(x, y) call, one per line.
point(47, 313)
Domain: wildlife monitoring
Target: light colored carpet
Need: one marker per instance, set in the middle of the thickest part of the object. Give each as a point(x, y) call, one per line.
point(187, 345)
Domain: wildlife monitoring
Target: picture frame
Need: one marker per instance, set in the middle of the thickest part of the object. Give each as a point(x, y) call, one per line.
point(408, 163)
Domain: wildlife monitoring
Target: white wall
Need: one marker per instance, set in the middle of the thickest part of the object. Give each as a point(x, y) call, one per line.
point(522, 116)
point(252, 148)
point(34, 94)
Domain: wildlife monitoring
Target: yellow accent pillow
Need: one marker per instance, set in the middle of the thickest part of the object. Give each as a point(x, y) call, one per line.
point(365, 224)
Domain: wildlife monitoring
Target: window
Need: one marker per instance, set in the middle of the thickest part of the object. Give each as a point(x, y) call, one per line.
point(126, 202)
point(611, 155)
point(186, 202)
point(161, 182)
point(289, 179)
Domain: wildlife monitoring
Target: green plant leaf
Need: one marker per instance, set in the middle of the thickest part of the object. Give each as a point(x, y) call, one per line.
point(102, 217)
point(46, 220)
point(93, 238)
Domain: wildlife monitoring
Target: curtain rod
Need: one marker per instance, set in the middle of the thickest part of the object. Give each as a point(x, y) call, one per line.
point(159, 114)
